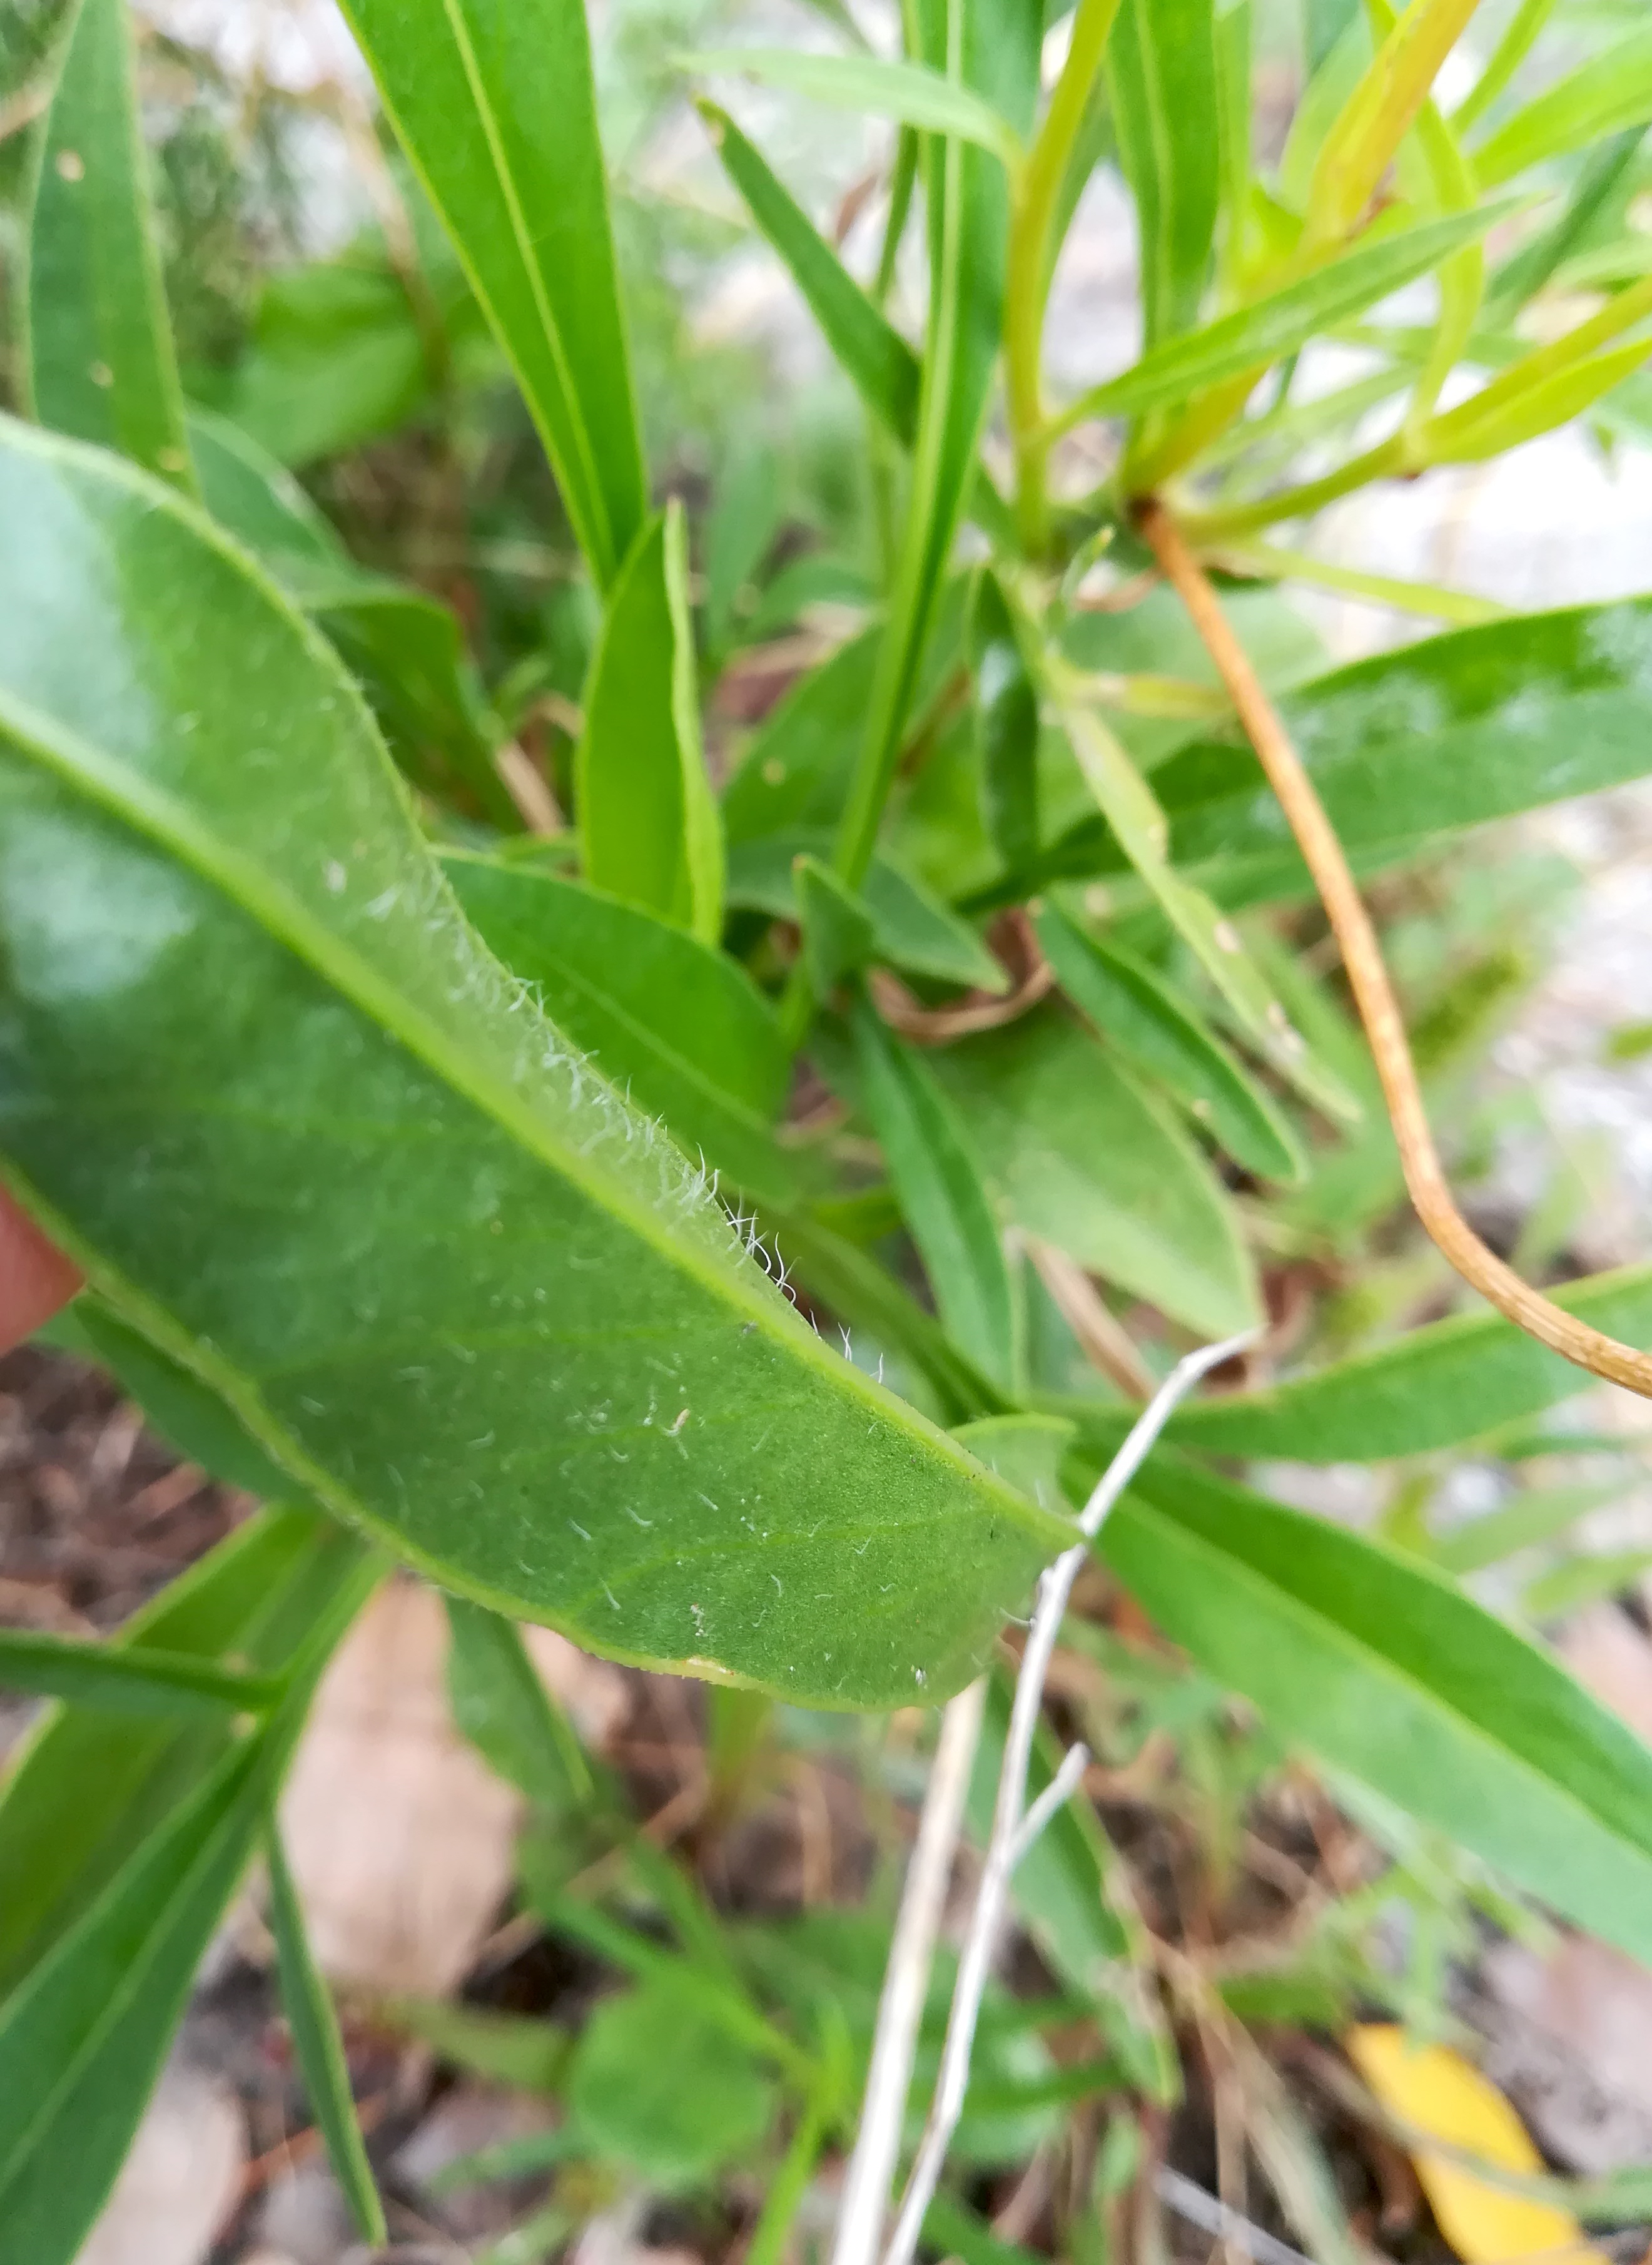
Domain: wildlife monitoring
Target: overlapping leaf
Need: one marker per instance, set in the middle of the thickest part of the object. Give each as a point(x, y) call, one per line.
point(528, 1348)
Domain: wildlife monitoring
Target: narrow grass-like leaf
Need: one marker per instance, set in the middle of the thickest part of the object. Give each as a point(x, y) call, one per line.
point(84, 2032)
point(87, 1789)
point(99, 357)
point(1252, 336)
point(469, 87)
point(876, 360)
point(1138, 824)
point(1555, 400)
point(1159, 1034)
point(909, 92)
point(1082, 1158)
point(940, 1186)
point(648, 824)
point(253, 495)
point(202, 992)
point(319, 2049)
point(1377, 1666)
point(1524, 274)
point(680, 1027)
point(1432, 1388)
point(1538, 1515)
point(1162, 71)
point(1611, 90)
point(501, 1705)
point(129, 1681)
point(992, 46)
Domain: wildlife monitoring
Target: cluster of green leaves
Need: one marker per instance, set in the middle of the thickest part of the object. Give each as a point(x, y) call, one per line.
point(437, 1172)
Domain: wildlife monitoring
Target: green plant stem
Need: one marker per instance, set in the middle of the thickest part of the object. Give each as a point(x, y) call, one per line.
point(880, 451)
point(1031, 263)
point(1506, 58)
point(1203, 528)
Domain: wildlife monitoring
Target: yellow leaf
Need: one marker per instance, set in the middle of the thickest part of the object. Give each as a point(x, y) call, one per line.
point(1437, 2091)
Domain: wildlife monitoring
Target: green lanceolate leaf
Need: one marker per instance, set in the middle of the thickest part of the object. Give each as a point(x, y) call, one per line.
point(1138, 824)
point(469, 87)
point(87, 1789)
point(939, 1182)
point(650, 827)
point(1161, 70)
point(319, 2050)
point(530, 1352)
point(100, 346)
point(84, 2030)
point(1005, 726)
point(404, 645)
point(501, 1705)
point(1159, 1034)
point(1436, 1386)
point(991, 47)
point(1538, 1515)
point(1271, 328)
point(679, 1027)
point(876, 360)
point(1613, 89)
point(911, 928)
point(839, 932)
point(132, 1681)
point(1082, 1158)
point(907, 91)
point(1376, 1664)
point(81, 2041)
point(1451, 732)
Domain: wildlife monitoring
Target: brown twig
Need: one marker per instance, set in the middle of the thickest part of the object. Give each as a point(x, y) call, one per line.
point(1373, 994)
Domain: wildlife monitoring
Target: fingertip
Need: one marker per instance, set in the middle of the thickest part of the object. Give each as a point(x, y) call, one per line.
point(35, 1277)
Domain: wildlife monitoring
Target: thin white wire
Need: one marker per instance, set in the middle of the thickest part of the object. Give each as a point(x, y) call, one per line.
point(1007, 1846)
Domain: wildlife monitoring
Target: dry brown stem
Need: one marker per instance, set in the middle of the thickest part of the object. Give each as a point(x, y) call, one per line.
point(1373, 994)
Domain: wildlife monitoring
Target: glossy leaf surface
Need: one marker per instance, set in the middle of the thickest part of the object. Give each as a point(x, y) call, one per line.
point(1380, 1666)
point(244, 974)
point(678, 1026)
point(650, 827)
point(940, 1187)
point(468, 85)
point(1159, 1034)
point(1083, 1159)
point(100, 360)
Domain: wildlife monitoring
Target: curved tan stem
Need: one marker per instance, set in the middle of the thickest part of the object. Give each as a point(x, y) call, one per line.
point(1373, 994)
